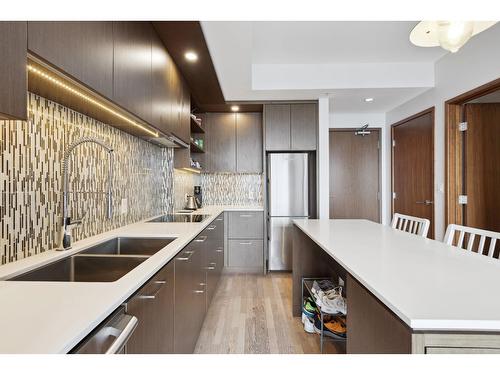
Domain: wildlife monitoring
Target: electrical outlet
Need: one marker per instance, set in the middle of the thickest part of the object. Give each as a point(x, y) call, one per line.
point(124, 206)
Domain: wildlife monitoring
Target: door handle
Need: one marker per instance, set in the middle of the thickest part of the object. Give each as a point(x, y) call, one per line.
point(123, 337)
point(153, 296)
point(427, 202)
point(201, 239)
point(190, 254)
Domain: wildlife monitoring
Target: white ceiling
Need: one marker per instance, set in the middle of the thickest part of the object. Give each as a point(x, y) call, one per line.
point(337, 42)
point(346, 60)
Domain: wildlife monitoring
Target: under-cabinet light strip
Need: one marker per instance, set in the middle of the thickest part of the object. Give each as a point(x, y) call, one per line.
point(74, 91)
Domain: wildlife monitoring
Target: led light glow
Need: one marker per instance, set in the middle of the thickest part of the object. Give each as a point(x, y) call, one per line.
point(235, 108)
point(191, 56)
point(76, 92)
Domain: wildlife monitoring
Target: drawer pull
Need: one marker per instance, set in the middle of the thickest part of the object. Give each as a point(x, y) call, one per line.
point(212, 264)
point(220, 250)
point(210, 268)
point(245, 243)
point(199, 291)
point(153, 296)
point(219, 219)
point(246, 215)
point(201, 239)
point(211, 227)
point(184, 259)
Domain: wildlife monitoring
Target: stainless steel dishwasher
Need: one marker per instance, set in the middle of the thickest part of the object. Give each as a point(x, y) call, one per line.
point(111, 336)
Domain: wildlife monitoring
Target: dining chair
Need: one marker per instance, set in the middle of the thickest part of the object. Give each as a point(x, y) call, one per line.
point(411, 224)
point(468, 243)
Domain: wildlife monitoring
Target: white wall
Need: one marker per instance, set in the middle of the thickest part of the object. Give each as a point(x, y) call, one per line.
point(475, 64)
point(350, 120)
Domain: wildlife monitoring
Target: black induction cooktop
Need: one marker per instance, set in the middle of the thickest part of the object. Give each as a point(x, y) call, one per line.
point(179, 218)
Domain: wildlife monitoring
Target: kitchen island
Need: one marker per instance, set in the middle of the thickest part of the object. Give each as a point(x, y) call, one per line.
point(405, 293)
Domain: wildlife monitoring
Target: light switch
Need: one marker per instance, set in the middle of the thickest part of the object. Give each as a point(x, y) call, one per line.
point(124, 206)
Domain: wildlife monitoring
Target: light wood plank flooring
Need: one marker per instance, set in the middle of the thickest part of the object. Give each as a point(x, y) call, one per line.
point(252, 314)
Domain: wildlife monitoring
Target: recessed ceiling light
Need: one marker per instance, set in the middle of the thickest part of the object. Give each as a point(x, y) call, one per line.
point(191, 56)
point(368, 100)
point(235, 108)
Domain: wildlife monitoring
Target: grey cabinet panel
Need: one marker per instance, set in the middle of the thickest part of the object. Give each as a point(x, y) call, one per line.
point(184, 304)
point(277, 126)
point(153, 305)
point(221, 142)
point(304, 124)
point(162, 97)
point(83, 50)
point(13, 70)
point(249, 142)
point(246, 224)
point(132, 67)
point(246, 253)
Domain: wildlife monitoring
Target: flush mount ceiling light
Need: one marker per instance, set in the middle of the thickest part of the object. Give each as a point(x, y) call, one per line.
point(235, 108)
point(368, 100)
point(191, 56)
point(450, 35)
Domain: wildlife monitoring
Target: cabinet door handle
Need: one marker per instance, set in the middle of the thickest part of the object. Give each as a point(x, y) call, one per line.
point(209, 268)
point(245, 243)
point(212, 264)
point(219, 219)
point(219, 250)
point(199, 291)
point(153, 296)
point(201, 239)
point(246, 215)
point(184, 259)
point(211, 227)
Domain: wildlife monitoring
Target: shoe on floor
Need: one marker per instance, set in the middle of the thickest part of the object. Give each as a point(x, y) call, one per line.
point(335, 305)
point(309, 326)
point(309, 308)
point(335, 328)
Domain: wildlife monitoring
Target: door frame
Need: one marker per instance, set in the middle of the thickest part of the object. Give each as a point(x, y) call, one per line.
point(380, 134)
point(453, 149)
point(430, 110)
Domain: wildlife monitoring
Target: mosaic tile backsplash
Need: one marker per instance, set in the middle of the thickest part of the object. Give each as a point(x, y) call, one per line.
point(240, 189)
point(31, 178)
point(184, 183)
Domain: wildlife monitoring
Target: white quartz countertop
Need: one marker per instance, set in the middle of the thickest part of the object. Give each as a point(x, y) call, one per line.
point(52, 317)
point(427, 284)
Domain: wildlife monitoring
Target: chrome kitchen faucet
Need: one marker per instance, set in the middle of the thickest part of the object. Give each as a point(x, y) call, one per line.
point(67, 223)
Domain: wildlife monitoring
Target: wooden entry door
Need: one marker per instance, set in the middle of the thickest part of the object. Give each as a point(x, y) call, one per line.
point(482, 166)
point(354, 175)
point(413, 167)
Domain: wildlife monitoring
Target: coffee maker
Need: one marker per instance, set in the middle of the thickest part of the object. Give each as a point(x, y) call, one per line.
point(198, 195)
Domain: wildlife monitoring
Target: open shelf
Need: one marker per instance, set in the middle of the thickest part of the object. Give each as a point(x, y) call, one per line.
point(195, 148)
point(307, 284)
point(196, 127)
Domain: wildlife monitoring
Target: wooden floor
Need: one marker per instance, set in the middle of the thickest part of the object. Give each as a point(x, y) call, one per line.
point(252, 314)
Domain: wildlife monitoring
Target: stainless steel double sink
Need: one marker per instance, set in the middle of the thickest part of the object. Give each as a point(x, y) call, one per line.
point(105, 262)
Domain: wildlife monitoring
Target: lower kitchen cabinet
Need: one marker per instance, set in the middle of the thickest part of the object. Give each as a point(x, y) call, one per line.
point(171, 307)
point(245, 250)
point(246, 253)
point(153, 306)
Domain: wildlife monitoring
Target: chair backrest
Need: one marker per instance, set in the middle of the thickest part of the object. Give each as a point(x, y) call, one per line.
point(467, 239)
point(411, 224)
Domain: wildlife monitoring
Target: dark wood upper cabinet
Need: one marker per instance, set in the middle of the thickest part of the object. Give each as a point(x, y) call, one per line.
point(13, 88)
point(249, 142)
point(221, 142)
point(277, 124)
point(291, 127)
point(303, 126)
point(132, 67)
point(185, 113)
point(83, 50)
point(161, 96)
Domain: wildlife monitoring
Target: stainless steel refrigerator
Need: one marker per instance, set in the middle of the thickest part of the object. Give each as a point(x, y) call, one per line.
point(288, 199)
